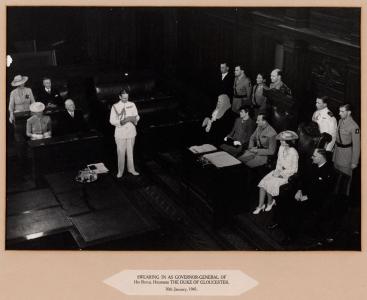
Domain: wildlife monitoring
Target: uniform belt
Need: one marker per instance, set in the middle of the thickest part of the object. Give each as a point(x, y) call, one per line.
point(344, 145)
point(239, 96)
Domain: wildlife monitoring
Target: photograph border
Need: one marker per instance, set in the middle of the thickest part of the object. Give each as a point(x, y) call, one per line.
point(281, 275)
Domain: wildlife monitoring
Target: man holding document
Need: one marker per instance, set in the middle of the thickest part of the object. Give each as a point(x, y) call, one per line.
point(124, 116)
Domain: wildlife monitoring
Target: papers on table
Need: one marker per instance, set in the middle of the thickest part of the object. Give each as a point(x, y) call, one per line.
point(221, 159)
point(98, 168)
point(202, 149)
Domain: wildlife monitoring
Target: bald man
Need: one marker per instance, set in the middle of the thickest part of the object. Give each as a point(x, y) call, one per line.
point(277, 83)
point(72, 120)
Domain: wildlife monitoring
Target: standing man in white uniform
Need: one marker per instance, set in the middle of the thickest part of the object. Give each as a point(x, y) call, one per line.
point(124, 116)
point(326, 121)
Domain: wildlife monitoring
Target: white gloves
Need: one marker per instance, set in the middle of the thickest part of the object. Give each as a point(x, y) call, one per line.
point(37, 136)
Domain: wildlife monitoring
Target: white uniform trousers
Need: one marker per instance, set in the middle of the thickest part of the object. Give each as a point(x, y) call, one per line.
point(125, 148)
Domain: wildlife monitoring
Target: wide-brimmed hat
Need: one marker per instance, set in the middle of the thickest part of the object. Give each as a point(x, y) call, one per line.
point(287, 135)
point(18, 80)
point(37, 107)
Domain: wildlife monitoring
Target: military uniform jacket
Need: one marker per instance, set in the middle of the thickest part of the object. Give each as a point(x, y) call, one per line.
point(242, 87)
point(348, 144)
point(281, 86)
point(327, 123)
point(264, 140)
point(120, 111)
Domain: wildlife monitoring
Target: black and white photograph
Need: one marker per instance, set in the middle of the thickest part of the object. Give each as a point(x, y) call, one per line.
point(183, 128)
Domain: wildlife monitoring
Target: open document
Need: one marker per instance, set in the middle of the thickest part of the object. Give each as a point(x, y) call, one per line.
point(221, 159)
point(203, 148)
point(98, 168)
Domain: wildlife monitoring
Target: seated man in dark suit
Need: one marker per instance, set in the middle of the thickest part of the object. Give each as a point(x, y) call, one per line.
point(237, 140)
point(309, 198)
point(49, 95)
point(72, 120)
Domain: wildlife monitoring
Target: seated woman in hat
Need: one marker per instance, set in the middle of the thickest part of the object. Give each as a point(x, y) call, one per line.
point(287, 165)
point(21, 97)
point(38, 126)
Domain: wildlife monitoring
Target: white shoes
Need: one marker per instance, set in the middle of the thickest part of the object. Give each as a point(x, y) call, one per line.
point(270, 206)
point(134, 173)
point(259, 209)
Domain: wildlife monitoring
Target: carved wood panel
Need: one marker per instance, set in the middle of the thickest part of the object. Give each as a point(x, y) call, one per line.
point(329, 78)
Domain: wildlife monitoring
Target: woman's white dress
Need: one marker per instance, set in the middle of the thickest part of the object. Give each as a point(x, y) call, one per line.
point(287, 165)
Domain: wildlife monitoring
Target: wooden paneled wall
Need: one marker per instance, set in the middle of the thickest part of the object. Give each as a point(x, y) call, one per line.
point(321, 45)
point(319, 58)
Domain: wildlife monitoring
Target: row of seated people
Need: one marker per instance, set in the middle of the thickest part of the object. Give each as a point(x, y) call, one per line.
point(39, 126)
point(255, 146)
point(344, 148)
point(235, 91)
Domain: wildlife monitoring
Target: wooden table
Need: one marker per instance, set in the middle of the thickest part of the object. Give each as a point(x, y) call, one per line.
point(224, 189)
point(65, 152)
